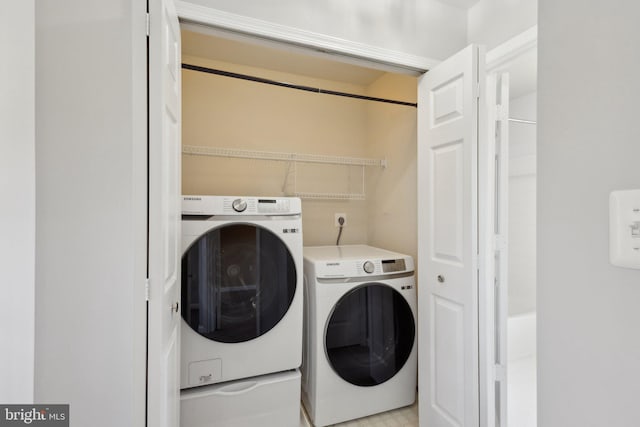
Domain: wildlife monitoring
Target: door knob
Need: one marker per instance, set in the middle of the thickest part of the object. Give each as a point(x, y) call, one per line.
point(440, 278)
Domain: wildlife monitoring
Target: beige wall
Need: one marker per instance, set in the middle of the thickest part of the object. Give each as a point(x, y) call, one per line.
point(391, 198)
point(224, 112)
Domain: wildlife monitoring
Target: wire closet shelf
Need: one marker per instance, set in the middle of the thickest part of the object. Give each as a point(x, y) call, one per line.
point(290, 183)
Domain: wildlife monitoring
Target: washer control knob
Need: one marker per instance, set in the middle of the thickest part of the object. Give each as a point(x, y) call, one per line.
point(368, 267)
point(239, 205)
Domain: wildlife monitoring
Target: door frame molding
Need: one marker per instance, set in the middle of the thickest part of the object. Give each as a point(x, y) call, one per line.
point(255, 30)
point(240, 27)
point(503, 54)
point(497, 60)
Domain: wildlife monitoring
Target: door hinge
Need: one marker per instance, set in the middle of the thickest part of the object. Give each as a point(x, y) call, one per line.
point(499, 372)
point(146, 289)
point(148, 24)
point(499, 242)
point(501, 112)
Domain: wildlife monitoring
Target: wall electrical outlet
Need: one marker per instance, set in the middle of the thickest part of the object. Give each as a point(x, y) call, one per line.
point(337, 219)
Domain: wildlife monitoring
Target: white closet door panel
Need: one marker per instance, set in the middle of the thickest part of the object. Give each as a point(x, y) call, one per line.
point(163, 389)
point(448, 241)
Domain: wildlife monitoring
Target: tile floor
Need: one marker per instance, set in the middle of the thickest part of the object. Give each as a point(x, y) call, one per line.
point(401, 417)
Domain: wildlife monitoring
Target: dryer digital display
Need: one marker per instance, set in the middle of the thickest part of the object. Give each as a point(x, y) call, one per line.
point(391, 265)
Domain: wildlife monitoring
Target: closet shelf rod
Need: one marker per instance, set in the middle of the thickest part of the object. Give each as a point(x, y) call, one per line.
point(293, 86)
point(279, 156)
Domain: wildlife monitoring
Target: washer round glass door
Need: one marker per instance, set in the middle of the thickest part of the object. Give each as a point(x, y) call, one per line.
point(370, 334)
point(238, 282)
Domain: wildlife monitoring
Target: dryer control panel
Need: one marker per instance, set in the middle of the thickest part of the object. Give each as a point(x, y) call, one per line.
point(356, 261)
point(273, 206)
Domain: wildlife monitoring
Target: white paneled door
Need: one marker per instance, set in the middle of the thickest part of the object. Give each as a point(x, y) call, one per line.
point(163, 386)
point(448, 138)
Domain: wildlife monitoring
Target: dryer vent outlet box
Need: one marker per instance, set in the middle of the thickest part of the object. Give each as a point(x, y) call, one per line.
point(624, 228)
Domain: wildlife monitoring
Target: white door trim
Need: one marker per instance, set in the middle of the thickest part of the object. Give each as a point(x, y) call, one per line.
point(503, 54)
point(404, 62)
point(493, 361)
point(493, 167)
point(164, 183)
point(192, 15)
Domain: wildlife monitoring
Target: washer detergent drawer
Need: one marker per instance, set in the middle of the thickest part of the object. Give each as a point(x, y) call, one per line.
point(267, 400)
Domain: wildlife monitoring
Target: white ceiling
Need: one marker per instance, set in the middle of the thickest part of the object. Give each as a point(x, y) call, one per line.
point(283, 58)
point(465, 4)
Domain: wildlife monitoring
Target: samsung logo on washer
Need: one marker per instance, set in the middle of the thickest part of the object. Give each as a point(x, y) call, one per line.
point(191, 198)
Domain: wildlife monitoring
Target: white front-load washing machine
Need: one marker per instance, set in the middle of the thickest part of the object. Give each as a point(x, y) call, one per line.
point(241, 288)
point(360, 350)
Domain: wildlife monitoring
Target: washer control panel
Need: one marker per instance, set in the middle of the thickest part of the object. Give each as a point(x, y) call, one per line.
point(239, 205)
point(369, 267)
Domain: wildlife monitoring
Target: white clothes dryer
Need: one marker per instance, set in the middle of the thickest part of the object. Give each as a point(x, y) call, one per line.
point(241, 288)
point(359, 353)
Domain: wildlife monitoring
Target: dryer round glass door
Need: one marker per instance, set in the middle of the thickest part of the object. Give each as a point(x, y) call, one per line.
point(370, 334)
point(238, 282)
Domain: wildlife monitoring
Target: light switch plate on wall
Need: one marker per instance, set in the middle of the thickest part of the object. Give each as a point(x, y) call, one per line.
point(624, 228)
